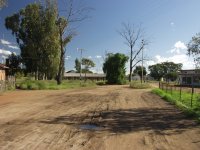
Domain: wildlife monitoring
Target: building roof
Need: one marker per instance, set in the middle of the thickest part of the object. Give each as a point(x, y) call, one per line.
point(93, 75)
point(2, 66)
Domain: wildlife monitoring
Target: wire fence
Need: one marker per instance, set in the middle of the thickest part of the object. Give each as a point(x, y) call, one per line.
point(189, 96)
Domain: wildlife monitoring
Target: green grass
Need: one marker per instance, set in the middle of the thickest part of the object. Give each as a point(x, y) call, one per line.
point(138, 85)
point(184, 103)
point(28, 84)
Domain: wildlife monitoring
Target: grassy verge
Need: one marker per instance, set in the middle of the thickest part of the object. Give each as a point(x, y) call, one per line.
point(28, 84)
point(138, 85)
point(184, 103)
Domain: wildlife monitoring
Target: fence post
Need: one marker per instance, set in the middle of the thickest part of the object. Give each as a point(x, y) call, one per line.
point(192, 95)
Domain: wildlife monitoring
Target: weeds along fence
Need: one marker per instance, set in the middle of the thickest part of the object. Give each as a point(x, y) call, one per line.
point(189, 96)
point(9, 83)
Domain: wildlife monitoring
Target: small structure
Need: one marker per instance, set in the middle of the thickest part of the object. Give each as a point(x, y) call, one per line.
point(90, 76)
point(3, 72)
point(189, 77)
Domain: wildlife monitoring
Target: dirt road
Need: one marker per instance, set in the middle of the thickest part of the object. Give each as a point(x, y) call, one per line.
point(103, 118)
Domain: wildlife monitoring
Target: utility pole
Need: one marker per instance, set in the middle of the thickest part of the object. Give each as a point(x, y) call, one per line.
point(81, 50)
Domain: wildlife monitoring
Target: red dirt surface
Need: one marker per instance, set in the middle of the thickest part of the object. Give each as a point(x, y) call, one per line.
point(124, 118)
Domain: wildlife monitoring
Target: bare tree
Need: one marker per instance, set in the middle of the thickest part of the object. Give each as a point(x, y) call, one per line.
point(3, 3)
point(135, 41)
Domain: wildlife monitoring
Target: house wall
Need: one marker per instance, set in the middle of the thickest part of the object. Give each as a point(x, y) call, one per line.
point(2, 75)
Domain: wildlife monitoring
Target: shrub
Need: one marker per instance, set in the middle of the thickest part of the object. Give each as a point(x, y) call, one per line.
point(139, 85)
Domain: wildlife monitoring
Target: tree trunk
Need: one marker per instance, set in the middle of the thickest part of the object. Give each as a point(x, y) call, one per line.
point(131, 63)
point(60, 69)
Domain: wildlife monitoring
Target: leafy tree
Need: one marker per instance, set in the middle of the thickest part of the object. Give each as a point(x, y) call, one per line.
point(136, 43)
point(77, 65)
point(138, 70)
point(165, 69)
point(114, 67)
point(37, 35)
point(88, 64)
point(194, 49)
point(13, 62)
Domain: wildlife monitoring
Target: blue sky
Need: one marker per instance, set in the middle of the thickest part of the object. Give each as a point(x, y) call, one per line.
point(168, 24)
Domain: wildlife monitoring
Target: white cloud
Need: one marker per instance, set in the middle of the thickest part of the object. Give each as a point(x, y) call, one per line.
point(5, 52)
point(178, 48)
point(13, 47)
point(67, 57)
point(4, 42)
point(90, 57)
point(98, 56)
point(177, 58)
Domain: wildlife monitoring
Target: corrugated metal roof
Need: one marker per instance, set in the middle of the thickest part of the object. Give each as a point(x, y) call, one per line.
point(83, 74)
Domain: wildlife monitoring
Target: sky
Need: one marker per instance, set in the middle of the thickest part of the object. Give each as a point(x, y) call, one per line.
point(168, 26)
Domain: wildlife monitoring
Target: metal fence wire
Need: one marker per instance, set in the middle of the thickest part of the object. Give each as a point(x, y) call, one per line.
point(185, 95)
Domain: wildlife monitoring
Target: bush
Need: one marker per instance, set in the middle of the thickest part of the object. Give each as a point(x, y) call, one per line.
point(101, 83)
point(139, 85)
point(28, 84)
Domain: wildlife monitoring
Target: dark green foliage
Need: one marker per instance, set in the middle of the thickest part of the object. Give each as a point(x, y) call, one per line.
point(165, 69)
point(194, 49)
point(13, 62)
point(37, 35)
point(114, 67)
point(138, 70)
point(87, 63)
point(77, 65)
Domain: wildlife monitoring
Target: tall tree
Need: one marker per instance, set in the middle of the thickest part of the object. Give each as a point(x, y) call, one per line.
point(140, 71)
point(165, 69)
point(72, 14)
point(35, 28)
point(194, 49)
point(77, 65)
point(134, 40)
point(88, 63)
point(114, 68)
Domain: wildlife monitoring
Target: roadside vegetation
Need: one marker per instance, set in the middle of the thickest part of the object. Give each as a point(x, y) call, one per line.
point(139, 85)
point(191, 108)
point(29, 84)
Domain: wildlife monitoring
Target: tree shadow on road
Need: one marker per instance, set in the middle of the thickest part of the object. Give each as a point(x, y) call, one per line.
point(123, 121)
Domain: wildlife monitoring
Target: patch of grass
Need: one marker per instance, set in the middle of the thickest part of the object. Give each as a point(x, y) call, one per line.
point(139, 85)
point(29, 84)
point(183, 103)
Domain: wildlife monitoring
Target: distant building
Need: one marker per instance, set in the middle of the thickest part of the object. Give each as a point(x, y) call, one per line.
point(90, 76)
point(3, 72)
point(189, 77)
